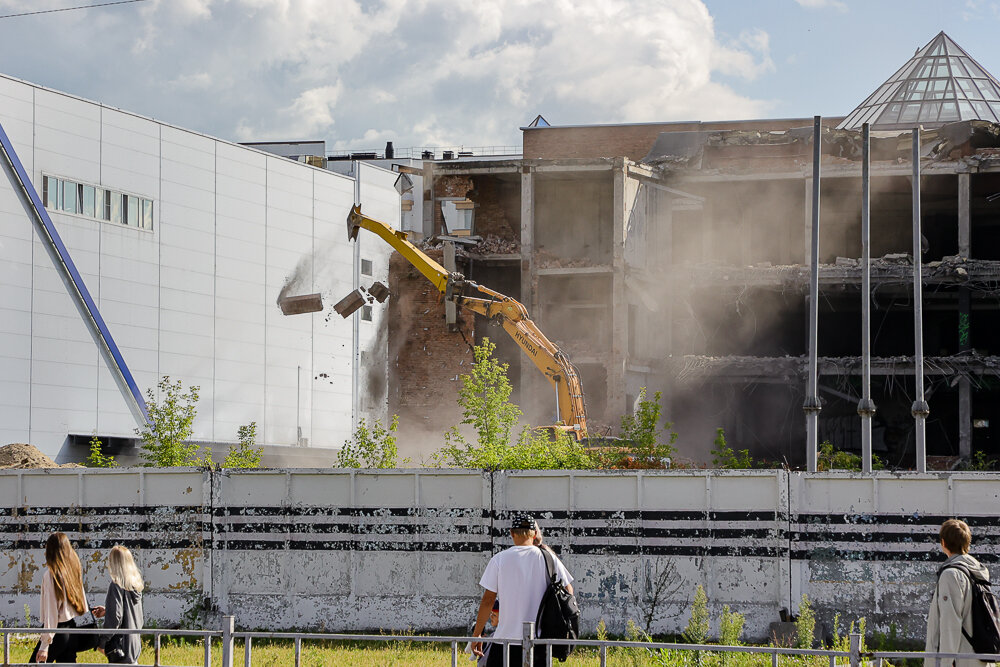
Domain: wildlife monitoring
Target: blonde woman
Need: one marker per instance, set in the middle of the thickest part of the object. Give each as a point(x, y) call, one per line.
point(63, 598)
point(122, 608)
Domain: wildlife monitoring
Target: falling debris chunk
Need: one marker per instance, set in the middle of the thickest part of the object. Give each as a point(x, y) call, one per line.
point(304, 303)
point(350, 303)
point(379, 291)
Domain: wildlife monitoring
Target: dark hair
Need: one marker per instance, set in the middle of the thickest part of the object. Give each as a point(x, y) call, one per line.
point(956, 536)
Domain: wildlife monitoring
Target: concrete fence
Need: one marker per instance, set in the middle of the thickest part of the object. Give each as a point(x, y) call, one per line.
point(345, 551)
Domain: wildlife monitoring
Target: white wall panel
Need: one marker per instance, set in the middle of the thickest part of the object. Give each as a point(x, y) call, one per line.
point(67, 136)
point(17, 102)
point(194, 298)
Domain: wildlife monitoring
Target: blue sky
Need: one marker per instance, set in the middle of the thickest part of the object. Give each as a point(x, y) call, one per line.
point(832, 55)
point(358, 73)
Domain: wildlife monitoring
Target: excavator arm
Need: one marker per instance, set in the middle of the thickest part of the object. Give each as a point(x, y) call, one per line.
point(499, 308)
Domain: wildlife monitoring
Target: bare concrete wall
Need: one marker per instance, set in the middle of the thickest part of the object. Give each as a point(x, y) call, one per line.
point(403, 549)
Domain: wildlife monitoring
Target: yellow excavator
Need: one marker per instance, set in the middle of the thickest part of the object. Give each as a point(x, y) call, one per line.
point(500, 309)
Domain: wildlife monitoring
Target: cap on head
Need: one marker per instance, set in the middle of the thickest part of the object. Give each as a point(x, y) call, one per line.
point(522, 521)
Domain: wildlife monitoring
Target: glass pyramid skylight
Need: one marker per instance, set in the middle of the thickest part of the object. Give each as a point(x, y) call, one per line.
point(940, 84)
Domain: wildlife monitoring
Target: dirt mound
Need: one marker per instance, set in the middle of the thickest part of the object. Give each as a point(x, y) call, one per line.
point(20, 455)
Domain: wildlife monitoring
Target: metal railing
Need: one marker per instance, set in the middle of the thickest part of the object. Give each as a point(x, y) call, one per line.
point(156, 633)
point(528, 645)
point(436, 152)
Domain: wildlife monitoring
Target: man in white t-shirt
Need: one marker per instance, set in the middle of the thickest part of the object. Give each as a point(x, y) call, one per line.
point(517, 576)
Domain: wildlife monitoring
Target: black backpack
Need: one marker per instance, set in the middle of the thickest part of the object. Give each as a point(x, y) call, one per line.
point(558, 614)
point(985, 636)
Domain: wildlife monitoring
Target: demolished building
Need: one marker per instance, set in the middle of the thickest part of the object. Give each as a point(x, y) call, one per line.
point(675, 256)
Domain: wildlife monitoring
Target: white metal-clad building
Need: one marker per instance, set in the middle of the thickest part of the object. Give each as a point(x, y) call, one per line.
point(184, 243)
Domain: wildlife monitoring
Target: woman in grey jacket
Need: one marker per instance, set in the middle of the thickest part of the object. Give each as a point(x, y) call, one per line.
point(122, 608)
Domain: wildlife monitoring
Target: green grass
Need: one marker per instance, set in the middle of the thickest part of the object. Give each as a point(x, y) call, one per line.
point(415, 654)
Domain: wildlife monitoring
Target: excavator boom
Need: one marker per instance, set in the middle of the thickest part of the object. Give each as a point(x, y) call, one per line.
point(499, 308)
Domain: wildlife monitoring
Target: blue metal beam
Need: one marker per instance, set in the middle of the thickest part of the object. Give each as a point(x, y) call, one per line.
point(74, 282)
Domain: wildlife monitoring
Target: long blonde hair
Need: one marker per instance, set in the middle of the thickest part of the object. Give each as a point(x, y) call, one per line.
point(123, 571)
point(64, 566)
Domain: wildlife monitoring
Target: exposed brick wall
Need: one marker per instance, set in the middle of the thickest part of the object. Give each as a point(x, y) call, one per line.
point(449, 186)
point(487, 193)
point(491, 216)
point(631, 141)
point(424, 355)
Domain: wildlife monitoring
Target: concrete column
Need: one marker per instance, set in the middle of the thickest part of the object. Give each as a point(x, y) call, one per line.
point(619, 305)
point(964, 386)
point(708, 252)
point(964, 214)
point(964, 315)
point(807, 220)
point(528, 279)
point(664, 336)
point(747, 256)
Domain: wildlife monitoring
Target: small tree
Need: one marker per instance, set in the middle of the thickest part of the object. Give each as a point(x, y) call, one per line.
point(246, 454)
point(805, 624)
point(485, 400)
point(723, 456)
point(696, 631)
point(730, 627)
point(97, 457)
point(371, 446)
point(641, 429)
point(170, 425)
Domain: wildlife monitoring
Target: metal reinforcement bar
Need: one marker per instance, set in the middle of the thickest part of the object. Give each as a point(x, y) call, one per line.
point(73, 280)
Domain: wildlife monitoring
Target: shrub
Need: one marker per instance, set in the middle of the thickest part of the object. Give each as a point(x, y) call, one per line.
point(835, 459)
point(97, 458)
point(372, 446)
point(805, 624)
point(980, 462)
point(645, 444)
point(723, 456)
point(245, 454)
point(485, 401)
point(730, 627)
point(696, 631)
point(170, 425)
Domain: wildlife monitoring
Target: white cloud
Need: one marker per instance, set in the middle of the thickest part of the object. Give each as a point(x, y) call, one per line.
point(423, 72)
point(823, 4)
point(310, 115)
point(193, 81)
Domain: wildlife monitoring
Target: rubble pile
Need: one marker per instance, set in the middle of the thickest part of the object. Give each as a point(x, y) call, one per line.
point(495, 245)
point(19, 455)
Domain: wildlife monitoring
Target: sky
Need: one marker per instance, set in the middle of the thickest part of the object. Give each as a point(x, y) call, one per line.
point(359, 73)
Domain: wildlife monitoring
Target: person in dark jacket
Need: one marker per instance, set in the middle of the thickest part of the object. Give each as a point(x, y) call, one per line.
point(122, 608)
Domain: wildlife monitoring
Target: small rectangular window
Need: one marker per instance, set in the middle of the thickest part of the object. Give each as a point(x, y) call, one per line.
point(366, 313)
point(107, 205)
point(366, 267)
point(51, 188)
point(147, 214)
point(69, 197)
point(88, 200)
point(116, 207)
point(133, 211)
